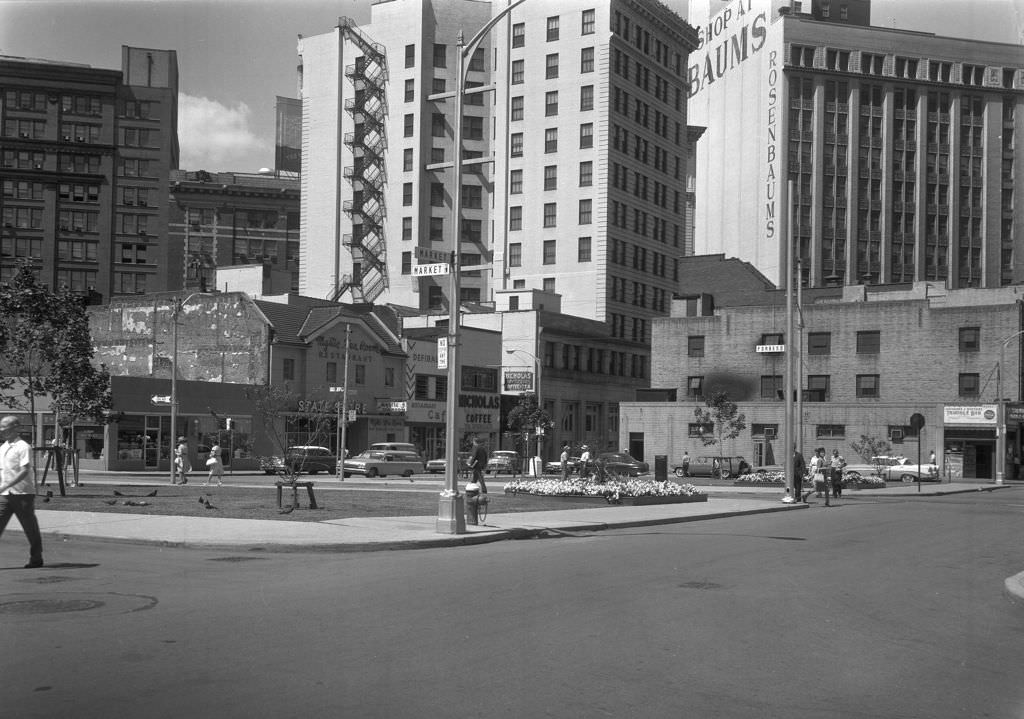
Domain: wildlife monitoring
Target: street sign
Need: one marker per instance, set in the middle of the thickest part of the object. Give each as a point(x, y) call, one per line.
point(442, 353)
point(440, 268)
point(337, 389)
point(432, 255)
point(160, 400)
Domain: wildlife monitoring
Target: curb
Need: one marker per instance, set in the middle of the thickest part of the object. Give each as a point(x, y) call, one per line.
point(486, 536)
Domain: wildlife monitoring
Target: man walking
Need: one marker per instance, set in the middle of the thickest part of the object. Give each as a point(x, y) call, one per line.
point(18, 488)
point(564, 461)
point(686, 463)
point(799, 468)
point(836, 464)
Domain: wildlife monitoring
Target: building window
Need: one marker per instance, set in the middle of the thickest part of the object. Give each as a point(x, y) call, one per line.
point(408, 125)
point(968, 384)
point(472, 196)
point(586, 211)
point(288, 368)
point(830, 431)
point(549, 252)
point(515, 218)
point(867, 385)
point(476, 62)
point(516, 111)
point(551, 103)
point(410, 55)
point(438, 127)
point(515, 182)
point(406, 229)
point(970, 339)
point(552, 34)
point(550, 214)
point(695, 346)
point(517, 72)
point(436, 229)
point(771, 386)
point(551, 66)
point(436, 194)
point(588, 22)
point(519, 34)
point(551, 177)
point(516, 144)
point(406, 263)
point(586, 135)
point(587, 59)
point(695, 387)
point(819, 343)
point(551, 140)
point(472, 127)
point(587, 97)
point(440, 55)
point(696, 430)
point(407, 194)
point(410, 90)
point(407, 160)
point(515, 255)
point(869, 342)
point(586, 173)
point(583, 252)
point(818, 386)
point(436, 155)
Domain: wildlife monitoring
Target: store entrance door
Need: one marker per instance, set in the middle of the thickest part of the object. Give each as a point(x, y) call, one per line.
point(151, 437)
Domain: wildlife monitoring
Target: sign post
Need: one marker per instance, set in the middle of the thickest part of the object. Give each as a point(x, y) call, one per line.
point(917, 422)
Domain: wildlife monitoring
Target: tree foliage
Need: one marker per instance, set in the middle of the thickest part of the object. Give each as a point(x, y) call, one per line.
point(868, 447)
point(46, 349)
point(722, 415)
point(526, 417)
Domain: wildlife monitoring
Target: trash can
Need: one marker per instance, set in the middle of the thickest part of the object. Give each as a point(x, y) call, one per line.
point(661, 468)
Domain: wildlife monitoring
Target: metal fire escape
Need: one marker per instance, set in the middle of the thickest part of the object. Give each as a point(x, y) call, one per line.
point(367, 175)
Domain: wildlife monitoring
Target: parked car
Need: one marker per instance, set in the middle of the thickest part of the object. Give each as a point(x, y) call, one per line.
point(375, 463)
point(434, 466)
point(394, 447)
point(503, 462)
point(904, 471)
point(712, 466)
point(621, 463)
point(272, 464)
point(310, 460)
point(866, 469)
point(555, 467)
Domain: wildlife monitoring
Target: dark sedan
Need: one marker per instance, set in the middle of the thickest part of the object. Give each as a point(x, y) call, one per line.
point(621, 463)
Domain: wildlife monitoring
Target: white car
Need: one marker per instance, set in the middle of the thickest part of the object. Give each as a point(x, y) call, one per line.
point(904, 471)
point(374, 463)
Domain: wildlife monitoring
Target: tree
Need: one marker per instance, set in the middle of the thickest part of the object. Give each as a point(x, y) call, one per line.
point(868, 447)
point(46, 349)
point(722, 416)
point(527, 417)
point(274, 406)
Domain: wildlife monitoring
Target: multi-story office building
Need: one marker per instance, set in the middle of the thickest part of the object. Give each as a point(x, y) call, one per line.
point(574, 165)
point(84, 157)
point(900, 145)
point(230, 218)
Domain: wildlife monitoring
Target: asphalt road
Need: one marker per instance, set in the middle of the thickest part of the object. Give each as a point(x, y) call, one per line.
point(874, 609)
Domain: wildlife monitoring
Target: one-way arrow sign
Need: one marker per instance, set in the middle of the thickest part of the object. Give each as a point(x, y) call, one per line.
point(160, 399)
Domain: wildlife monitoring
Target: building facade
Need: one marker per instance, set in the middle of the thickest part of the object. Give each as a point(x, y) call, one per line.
point(869, 358)
point(226, 218)
point(84, 157)
point(900, 146)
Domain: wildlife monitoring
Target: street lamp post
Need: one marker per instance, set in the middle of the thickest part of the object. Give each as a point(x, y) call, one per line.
point(1001, 411)
point(176, 306)
point(535, 463)
point(450, 517)
point(342, 408)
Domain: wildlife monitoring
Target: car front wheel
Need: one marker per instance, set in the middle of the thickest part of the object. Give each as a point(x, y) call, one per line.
point(679, 472)
point(907, 478)
point(372, 472)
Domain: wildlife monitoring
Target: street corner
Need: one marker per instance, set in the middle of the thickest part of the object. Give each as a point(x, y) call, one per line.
point(1015, 587)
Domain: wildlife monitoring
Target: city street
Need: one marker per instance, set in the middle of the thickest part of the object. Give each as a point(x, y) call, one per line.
point(877, 608)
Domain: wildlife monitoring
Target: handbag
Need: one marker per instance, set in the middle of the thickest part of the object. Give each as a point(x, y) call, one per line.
point(211, 461)
point(473, 487)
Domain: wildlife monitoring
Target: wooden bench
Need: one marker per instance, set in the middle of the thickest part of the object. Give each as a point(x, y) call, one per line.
point(295, 492)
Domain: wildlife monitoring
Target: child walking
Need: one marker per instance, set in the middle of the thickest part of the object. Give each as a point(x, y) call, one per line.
point(216, 466)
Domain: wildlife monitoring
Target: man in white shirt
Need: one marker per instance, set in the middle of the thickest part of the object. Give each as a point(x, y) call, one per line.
point(18, 488)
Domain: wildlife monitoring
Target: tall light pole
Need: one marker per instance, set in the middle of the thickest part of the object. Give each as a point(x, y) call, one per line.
point(450, 517)
point(790, 443)
point(176, 307)
point(535, 464)
point(342, 407)
point(1001, 410)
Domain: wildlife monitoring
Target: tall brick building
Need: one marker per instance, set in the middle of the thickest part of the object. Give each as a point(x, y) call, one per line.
point(84, 158)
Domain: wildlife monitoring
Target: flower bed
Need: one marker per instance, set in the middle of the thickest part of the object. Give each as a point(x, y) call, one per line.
point(863, 482)
point(760, 479)
point(634, 490)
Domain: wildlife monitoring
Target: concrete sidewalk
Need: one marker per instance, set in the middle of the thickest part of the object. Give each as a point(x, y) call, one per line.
point(369, 534)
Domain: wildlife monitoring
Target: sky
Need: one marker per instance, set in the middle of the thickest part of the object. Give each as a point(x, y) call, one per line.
point(236, 56)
